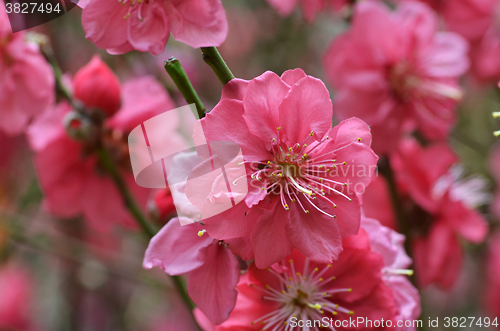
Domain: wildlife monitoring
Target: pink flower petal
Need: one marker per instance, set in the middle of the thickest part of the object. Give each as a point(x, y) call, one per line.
point(212, 287)
point(177, 249)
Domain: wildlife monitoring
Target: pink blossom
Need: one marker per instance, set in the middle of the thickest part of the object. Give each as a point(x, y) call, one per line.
point(125, 25)
point(361, 282)
point(26, 79)
point(70, 175)
point(16, 287)
point(213, 269)
point(302, 174)
point(310, 8)
point(445, 210)
point(396, 72)
point(389, 244)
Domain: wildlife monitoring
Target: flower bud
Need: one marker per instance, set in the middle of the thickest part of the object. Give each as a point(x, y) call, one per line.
point(97, 87)
point(78, 126)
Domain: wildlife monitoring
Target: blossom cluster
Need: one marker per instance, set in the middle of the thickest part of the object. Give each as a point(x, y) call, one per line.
point(347, 196)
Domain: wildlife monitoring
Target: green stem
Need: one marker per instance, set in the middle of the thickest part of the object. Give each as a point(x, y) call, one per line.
point(141, 220)
point(128, 199)
point(48, 52)
point(212, 57)
point(179, 284)
point(176, 72)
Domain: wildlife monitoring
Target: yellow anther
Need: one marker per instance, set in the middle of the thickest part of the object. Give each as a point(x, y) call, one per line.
point(350, 312)
point(344, 163)
point(334, 313)
point(316, 269)
point(349, 290)
point(278, 128)
point(359, 139)
point(200, 233)
point(321, 279)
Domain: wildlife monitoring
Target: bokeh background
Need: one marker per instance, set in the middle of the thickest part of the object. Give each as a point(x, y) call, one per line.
point(58, 274)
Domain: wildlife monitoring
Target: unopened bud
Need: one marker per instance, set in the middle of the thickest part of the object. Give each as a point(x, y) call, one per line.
point(97, 87)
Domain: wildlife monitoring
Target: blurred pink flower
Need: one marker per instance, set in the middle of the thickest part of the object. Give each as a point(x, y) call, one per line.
point(16, 287)
point(302, 174)
point(389, 244)
point(97, 87)
point(213, 269)
point(70, 175)
point(449, 201)
point(469, 18)
point(310, 8)
point(145, 25)
point(377, 202)
point(26, 79)
point(362, 281)
point(492, 286)
point(396, 72)
point(477, 21)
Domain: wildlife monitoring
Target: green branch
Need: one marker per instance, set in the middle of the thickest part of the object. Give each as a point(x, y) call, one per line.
point(176, 72)
point(128, 199)
point(212, 57)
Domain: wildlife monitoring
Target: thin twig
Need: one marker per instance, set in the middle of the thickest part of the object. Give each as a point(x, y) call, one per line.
point(176, 72)
point(212, 57)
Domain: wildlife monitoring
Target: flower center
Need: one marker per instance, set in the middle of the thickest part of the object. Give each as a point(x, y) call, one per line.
point(300, 173)
point(406, 85)
point(133, 4)
point(402, 81)
point(300, 296)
